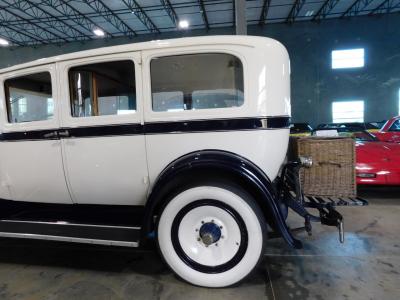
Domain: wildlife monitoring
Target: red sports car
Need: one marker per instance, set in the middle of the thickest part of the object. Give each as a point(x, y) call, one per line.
point(377, 162)
point(390, 132)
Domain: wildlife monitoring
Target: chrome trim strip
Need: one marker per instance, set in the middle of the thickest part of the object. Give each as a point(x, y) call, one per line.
point(68, 239)
point(71, 224)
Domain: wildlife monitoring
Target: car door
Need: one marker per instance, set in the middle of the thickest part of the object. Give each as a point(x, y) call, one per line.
point(31, 167)
point(103, 140)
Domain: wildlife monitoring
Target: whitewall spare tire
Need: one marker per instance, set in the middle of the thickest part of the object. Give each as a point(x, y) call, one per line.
point(211, 236)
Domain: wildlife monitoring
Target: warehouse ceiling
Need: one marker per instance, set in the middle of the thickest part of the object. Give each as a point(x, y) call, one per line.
point(35, 22)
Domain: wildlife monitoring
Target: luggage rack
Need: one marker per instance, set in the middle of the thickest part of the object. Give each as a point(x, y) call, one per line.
point(290, 193)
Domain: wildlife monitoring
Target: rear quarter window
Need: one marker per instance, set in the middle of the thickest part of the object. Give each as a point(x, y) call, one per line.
point(196, 81)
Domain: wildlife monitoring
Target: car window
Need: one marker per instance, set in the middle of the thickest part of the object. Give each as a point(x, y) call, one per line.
point(196, 81)
point(29, 98)
point(395, 126)
point(103, 89)
point(364, 136)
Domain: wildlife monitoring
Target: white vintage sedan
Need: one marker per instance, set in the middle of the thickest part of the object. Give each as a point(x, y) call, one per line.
point(176, 141)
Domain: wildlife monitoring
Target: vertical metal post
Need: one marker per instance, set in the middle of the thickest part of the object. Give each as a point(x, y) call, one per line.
point(240, 17)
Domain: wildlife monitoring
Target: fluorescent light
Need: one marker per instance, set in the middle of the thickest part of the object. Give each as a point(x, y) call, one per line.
point(4, 42)
point(309, 13)
point(98, 32)
point(183, 24)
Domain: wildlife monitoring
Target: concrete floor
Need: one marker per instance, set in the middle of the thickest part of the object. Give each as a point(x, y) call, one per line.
point(367, 266)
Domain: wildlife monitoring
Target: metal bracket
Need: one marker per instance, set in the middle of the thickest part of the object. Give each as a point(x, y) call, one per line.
point(291, 194)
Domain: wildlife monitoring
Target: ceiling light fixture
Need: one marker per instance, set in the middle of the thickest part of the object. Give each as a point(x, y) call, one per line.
point(309, 13)
point(98, 32)
point(4, 42)
point(184, 24)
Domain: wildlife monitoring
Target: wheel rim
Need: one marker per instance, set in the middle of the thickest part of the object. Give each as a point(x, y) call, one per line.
point(209, 236)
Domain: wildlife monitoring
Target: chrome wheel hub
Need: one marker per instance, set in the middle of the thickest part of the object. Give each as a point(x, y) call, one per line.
point(210, 233)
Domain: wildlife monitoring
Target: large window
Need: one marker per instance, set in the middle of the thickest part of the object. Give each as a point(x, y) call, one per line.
point(29, 98)
point(352, 58)
point(103, 89)
point(196, 81)
point(348, 111)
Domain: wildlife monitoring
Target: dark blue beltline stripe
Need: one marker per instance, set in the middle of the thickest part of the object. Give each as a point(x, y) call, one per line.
point(154, 128)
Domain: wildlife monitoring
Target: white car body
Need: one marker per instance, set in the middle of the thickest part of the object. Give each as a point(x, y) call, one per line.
point(122, 169)
point(88, 139)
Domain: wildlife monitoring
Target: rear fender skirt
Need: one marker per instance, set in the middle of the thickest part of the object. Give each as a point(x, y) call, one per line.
point(223, 161)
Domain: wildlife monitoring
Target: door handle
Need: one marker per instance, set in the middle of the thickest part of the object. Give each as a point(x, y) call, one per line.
point(63, 133)
point(50, 135)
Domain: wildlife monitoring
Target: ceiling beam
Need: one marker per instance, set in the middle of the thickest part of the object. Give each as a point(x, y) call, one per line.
point(385, 7)
point(110, 16)
point(71, 14)
point(170, 11)
point(49, 25)
point(11, 35)
point(357, 7)
point(264, 12)
point(203, 14)
point(55, 22)
point(295, 10)
point(325, 9)
point(14, 34)
point(34, 30)
point(141, 15)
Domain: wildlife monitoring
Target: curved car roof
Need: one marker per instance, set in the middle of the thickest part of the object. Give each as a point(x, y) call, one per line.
point(250, 41)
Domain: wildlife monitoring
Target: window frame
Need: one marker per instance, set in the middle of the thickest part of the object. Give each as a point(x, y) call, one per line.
point(208, 113)
point(52, 123)
point(348, 68)
point(346, 120)
point(69, 121)
point(151, 83)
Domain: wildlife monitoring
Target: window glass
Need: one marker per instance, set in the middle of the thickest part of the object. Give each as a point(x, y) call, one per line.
point(364, 136)
point(395, 126)
point(29, 98)
point(348, 111)
point(103, 89)
point(196, 81)
point(168, 101)
point(351, 58)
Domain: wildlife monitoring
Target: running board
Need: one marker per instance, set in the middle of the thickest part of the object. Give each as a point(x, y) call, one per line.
point(125, 236)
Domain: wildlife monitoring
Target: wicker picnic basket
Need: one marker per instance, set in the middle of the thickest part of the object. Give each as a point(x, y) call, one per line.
point(333, 171)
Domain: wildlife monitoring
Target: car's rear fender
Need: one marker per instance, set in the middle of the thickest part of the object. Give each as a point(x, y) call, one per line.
point(217, 165)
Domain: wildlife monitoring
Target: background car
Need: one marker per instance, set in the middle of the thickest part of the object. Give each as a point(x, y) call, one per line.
point(377, 162)
point(349, 126)
point(390, 132)
point(300, 129)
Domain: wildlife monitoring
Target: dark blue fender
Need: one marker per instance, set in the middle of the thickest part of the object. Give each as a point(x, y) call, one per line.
point(215, 164)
